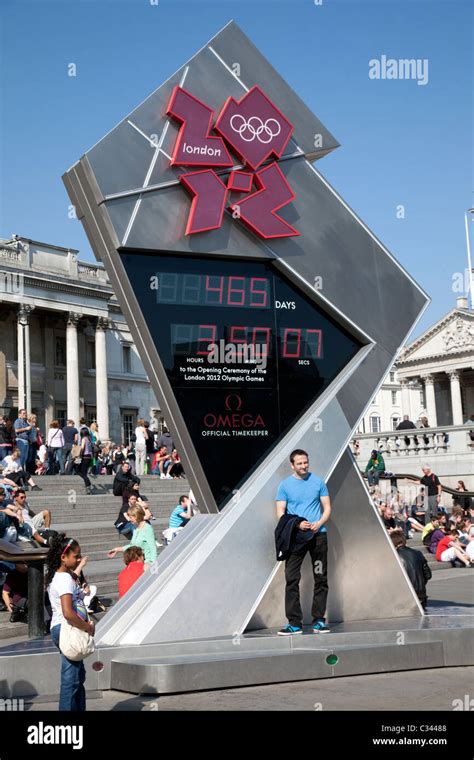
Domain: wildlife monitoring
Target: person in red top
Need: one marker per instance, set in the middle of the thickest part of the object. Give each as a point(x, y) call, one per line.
point(161, 458)
point(450, 549)
point(134, 560)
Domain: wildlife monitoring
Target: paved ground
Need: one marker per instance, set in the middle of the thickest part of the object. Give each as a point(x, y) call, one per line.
point(454, 586)
point(413, 691)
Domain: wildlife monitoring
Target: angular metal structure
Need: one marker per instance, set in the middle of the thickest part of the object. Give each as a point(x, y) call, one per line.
point(327, 349)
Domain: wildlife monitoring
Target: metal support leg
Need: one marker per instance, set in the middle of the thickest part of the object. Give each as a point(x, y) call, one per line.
point(35, 600)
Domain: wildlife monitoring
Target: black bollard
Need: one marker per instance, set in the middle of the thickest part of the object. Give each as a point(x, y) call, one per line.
point(35, 599)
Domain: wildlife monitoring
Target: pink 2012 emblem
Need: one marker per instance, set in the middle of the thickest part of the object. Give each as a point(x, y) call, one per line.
point(255, 131)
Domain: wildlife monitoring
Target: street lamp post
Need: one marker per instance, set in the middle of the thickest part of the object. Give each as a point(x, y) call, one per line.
point(469, 263)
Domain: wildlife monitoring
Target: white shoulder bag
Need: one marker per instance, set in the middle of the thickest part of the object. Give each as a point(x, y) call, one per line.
point(74, 643)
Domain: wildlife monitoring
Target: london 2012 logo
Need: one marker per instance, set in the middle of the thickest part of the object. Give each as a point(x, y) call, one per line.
point(254, 130)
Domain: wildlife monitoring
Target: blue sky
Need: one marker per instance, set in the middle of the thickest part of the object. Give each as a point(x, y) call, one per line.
point(401, 143)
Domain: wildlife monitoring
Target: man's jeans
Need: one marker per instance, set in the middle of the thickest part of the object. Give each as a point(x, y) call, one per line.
point(318, 549)
point(24, 449)
point(373, 477)
point(72, 696)
point(67, 459)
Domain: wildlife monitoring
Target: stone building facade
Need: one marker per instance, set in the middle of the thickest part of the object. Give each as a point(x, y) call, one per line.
point(65, 348)
point(433, 377)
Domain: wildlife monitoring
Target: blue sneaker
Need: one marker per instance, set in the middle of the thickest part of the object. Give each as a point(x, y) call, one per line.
point(321, 627)
point(290, 630)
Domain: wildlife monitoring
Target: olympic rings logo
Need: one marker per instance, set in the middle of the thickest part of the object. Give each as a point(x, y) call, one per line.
point(254, 128)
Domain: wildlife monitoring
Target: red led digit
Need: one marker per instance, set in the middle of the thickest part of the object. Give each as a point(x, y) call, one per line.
point(210, 289)
point(264, 339)
point(234, 334)
point(313, 343)
point(240, 291)
point(203, 338)
point(291, 334)
point(259, 292)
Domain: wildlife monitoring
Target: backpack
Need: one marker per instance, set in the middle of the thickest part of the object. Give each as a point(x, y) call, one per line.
point(20, 611)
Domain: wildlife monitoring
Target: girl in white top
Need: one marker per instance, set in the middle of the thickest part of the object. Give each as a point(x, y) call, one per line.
point(67, 602)
point(141, 434)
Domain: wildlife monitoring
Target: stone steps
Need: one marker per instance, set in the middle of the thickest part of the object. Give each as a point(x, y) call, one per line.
point(62, 484)
point(94, 516)
point(90, 520)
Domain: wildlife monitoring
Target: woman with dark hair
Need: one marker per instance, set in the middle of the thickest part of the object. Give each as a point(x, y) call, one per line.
point(67, 603)
point(7, 437)
point(175, 468)
point(86, 458)
point(464, 502)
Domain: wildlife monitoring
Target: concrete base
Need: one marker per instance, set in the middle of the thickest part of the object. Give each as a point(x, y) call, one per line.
point(441, 639)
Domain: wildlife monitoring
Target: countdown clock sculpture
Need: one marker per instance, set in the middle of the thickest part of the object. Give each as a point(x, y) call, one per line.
point(262, 309)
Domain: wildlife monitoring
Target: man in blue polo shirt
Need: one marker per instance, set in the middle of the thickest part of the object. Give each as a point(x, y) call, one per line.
point(305, 495)
point(22, 434)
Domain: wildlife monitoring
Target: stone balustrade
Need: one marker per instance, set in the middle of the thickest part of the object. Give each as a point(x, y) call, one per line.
point(448, 450)
point(454, 439)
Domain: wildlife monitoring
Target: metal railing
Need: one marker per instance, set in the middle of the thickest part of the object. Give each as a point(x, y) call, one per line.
point(407, 476)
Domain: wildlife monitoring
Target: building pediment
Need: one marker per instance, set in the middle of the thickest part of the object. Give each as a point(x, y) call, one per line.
point(448, 338)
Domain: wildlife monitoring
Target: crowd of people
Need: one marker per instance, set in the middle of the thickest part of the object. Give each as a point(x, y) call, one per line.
point(67, 450)
point(26, 452)
point(447, 537)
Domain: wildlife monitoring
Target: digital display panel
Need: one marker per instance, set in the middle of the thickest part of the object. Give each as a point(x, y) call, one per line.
point(245, 352)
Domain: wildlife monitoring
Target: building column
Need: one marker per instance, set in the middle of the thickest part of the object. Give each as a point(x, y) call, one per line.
point(406, 408)
point(456, 402)
point(72, 367)
point(430, 400)
point(102, 395)
point(24, 362)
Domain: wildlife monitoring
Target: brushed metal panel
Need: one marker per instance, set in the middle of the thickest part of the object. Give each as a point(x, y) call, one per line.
point(386, 659)
point(362, 562)
point(226, 575)
point(355, 397)
point(236, 558)
point(161, 221)
point(233, 46)
point(334, 244)
point(206, 673)
point(121, 160)
point(150, 678)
